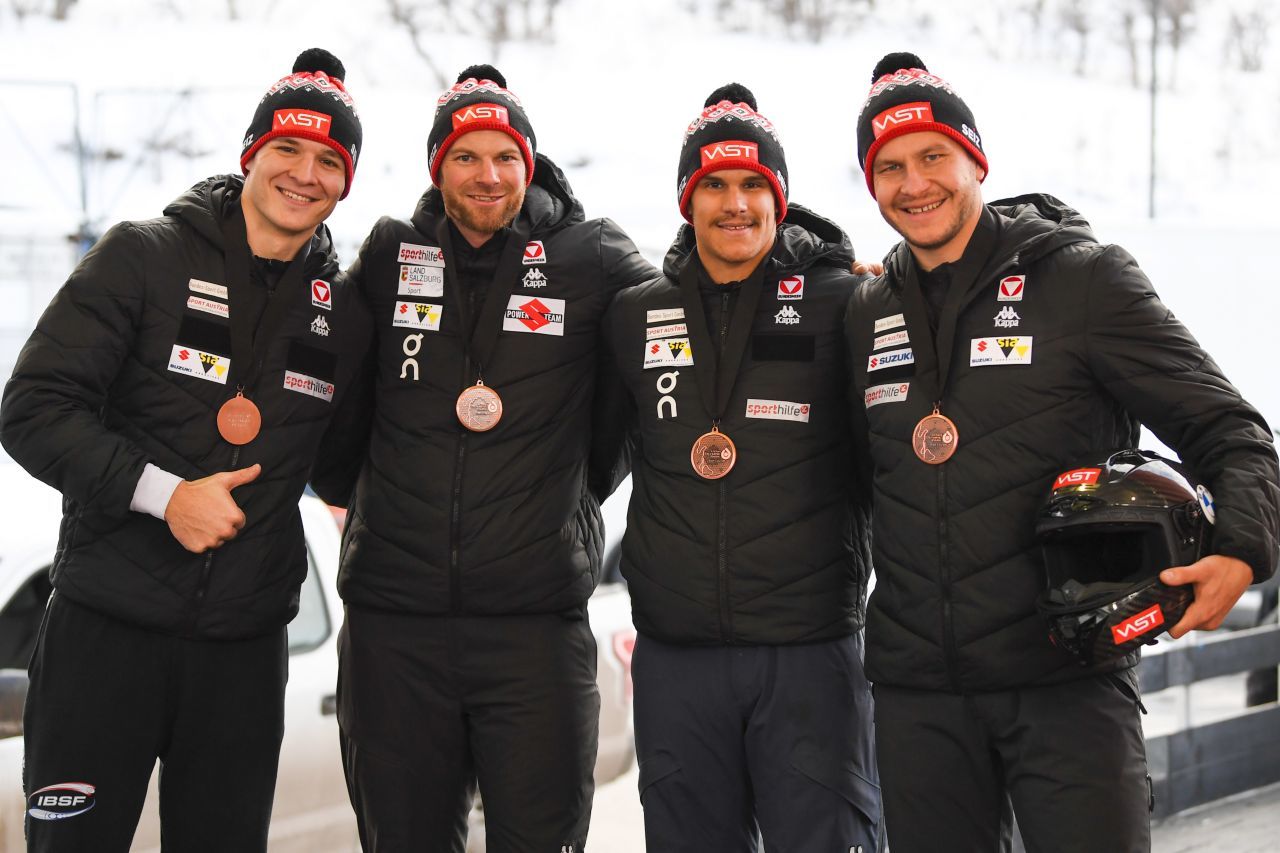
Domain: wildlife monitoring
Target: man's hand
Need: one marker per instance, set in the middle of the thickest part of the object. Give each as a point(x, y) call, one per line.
point(202, 514)
point(873, 268)
point(1218, 581)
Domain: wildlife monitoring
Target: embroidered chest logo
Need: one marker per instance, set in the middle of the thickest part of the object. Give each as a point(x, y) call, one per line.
point(534, 279)
point(1007, 318)
point(320, 327)
point(788, 316)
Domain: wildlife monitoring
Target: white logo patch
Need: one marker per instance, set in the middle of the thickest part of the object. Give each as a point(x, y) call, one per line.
point(778, 410)
point(412, 253)
point(308, 385)
point(1011, 288)
point(1007, 318)
point(540, 315)
point(669, 352)
point(788, 316)
point(890, 322)
point(892, 358)
point(418, 315)
point(987, 351)
point(665, 315)
point(670, 330)
point(320, 327)
point(420, 281)
point(791, 288)
point(207, 288)
point(208, 306)
point(894, 392)
point(534, 253)
point(201, 365)
point(893, 339)
point(321, 294)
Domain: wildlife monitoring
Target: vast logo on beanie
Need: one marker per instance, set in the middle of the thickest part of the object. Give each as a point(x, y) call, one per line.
point(731, 149)
point(302, 120)
point(915, 113)
point(480, 112)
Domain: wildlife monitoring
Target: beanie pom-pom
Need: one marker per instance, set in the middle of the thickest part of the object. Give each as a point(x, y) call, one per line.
point(896, 62)
point(317, 59)
point(734, 93)
point(483, 72)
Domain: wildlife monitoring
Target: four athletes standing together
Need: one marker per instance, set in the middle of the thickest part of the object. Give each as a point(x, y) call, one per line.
point(483, 376)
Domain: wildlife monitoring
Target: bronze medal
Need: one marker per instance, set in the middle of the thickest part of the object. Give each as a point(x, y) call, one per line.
point(479, 408)
point(935, 438)
point(713, 455)
point(239, 420)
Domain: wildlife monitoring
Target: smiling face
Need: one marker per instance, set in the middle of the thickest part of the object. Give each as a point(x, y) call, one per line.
point(291, 187)
point(482, 180)
point(928, 189)
point(735, 221)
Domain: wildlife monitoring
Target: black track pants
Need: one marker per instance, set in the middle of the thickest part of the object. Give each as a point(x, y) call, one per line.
point(107, 699)
point(1070, 757)
point(428, 706)
point(732, 739)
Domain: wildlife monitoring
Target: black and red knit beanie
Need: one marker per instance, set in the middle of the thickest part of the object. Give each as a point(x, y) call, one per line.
point(730, 134)
point(479, 100)
point(906, 98)
point(311, 103)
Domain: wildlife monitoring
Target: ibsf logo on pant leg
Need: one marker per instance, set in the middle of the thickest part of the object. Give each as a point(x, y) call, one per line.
point(61, 801)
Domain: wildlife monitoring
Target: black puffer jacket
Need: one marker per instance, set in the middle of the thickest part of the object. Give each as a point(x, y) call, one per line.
point(500, 522)
point(124, 369)
point(774, 553)
point(1046, 371)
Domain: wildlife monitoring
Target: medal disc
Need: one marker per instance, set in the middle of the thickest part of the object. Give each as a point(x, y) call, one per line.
point(479, 408)
point(239, 420)
point(713, 455)
point(935, 439)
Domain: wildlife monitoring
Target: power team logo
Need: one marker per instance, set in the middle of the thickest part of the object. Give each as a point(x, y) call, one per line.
point(1010, 288)
point(730, 149)
point(988, 351)
point(1138, 624)
point(539, 315)
point(61, 801)
point(321, 294)
point(480, 112)
point(791, 288)
point(920, 112)
point(534, 253)
point(202, 365)
point(418, 315)
point(296, 119)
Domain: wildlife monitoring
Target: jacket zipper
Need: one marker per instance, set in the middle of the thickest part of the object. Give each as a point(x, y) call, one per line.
point(206, 570)
point(944, 568)
point(722, 510)
point(459, 465)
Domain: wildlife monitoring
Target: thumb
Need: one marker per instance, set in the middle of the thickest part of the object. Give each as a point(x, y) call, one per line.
point(1177, 576)
point(231, 479)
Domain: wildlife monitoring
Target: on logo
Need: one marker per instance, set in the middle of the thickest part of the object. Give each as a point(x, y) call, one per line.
point(920, 111)
point(735, 149)
point(411, 347)
point(666, 385)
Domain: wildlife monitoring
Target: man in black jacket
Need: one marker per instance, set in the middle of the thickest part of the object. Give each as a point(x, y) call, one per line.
point(1003, 345)
point(186, 357)
point(745, 551)
point(474, 537)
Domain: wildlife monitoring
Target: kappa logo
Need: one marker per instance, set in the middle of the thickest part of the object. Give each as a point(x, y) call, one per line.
point(986, 351)
point(534, 253)
point(540, 315)
point(730, 149)
point(418, 315)
point(1007, 318)
point(480, 112)
point(321, 294)
point(788, 316)
point(791, 288)
point(913, 113)
point(302, 120)
point(61, 801)
point(1138, 624)
point(892, 358)
point(1010, 288)
point(319, 326)
point(1078, 477)
point(534, 279)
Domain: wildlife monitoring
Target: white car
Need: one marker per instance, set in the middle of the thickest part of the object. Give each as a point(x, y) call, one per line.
point(312, 813)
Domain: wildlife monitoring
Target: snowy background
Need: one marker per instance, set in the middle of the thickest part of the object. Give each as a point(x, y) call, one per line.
point(165, 88)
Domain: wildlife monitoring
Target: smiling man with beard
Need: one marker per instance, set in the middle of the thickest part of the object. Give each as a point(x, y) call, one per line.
point(745, 549)
point(474, 537)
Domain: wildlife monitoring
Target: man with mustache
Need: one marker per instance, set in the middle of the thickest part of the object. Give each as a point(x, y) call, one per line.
point(474, 535)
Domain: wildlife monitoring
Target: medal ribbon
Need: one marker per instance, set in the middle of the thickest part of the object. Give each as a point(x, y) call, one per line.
point(716, 374)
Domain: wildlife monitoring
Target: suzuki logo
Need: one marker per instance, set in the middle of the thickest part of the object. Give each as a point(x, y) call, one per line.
point(302, 120)
point(480, 112)
point(1136, 626)
point(920, 111)
point(730, 149)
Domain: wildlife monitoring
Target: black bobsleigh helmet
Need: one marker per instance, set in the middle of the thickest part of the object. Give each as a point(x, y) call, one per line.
point(1108, 530)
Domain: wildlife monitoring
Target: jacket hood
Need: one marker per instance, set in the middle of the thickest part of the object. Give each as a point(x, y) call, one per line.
point(203, 206)
point(804, 239)
point(1032, 226)
point(549, 202)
